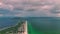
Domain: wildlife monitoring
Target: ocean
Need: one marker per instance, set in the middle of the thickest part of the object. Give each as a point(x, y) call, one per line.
point(44, 25)
point(40, 25)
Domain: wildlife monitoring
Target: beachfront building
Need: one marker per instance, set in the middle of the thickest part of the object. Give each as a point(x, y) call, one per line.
point(23, 28)
point(20, 28)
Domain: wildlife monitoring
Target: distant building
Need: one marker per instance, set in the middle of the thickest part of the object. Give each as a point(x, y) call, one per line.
point(23, 28)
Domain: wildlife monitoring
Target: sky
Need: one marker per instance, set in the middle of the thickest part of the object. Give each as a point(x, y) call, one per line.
point(29, 8)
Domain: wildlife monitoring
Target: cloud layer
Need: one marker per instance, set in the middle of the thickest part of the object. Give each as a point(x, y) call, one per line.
point(30, 8)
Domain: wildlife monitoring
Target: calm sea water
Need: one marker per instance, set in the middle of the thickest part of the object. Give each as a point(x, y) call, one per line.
point(7, 22)
point(45, 23)
point(39, 23)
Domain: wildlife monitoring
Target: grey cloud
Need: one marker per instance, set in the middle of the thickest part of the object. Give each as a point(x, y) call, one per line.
point(33, 8)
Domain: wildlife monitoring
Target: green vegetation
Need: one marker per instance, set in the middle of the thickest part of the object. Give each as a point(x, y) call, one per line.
point(13, 29)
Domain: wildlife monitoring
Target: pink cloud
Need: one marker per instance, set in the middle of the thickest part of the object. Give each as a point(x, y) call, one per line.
point(40, 6)
point(47, 7)
point(12, 4)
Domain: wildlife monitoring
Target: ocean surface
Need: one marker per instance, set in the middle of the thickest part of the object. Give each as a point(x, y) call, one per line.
point(38, 23)
point(44, 25)
point(7, 22)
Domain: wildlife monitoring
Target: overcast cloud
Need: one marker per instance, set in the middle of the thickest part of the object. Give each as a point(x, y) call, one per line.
point(30, 8)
